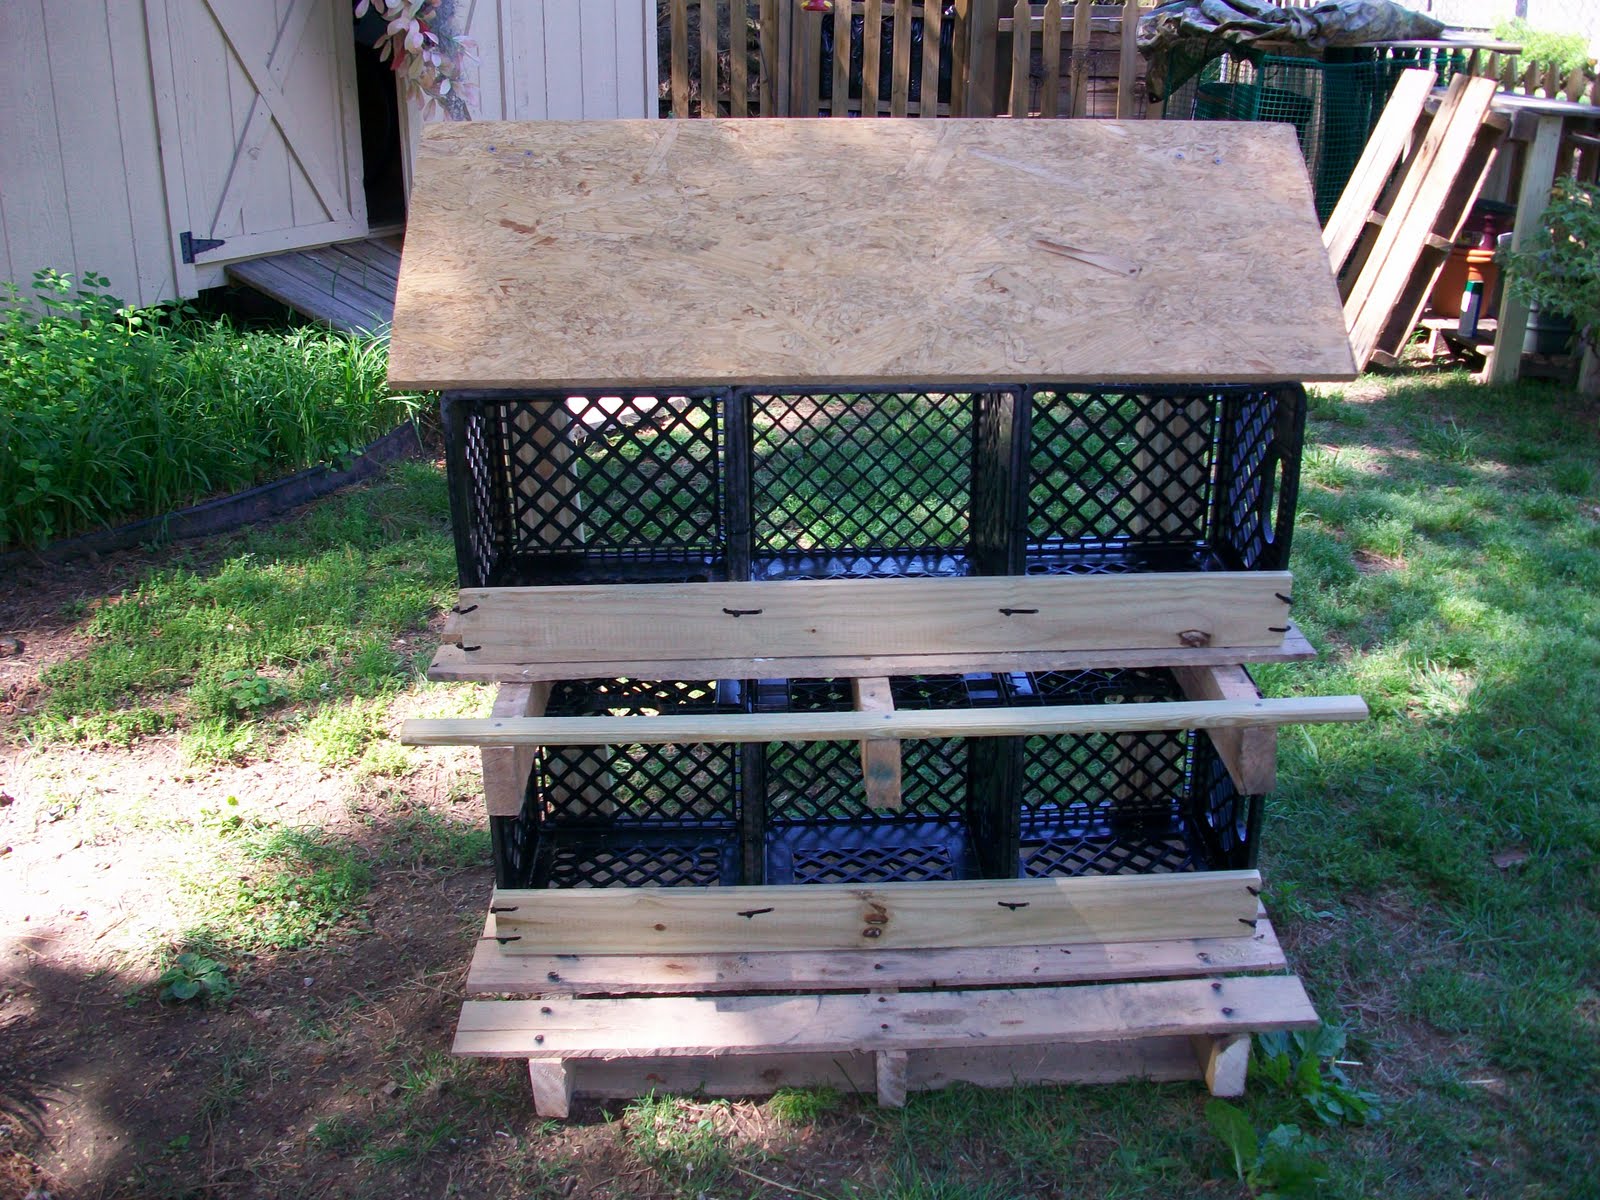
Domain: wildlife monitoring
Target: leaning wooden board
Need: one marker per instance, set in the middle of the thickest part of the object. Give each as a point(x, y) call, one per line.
point(873, 253)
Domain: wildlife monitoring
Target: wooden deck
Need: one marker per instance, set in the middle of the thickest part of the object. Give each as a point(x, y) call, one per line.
point(349, 286)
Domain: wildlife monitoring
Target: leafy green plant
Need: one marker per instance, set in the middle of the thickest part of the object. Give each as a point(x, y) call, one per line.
point(109, 413)
point(1282, 1166)
point(801, 1106)
point(1559, 270)
point(248, 691)
point(195, 977)
point(1305, 1064)
point(1568, 51)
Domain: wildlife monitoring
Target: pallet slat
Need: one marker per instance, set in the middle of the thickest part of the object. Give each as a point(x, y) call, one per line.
point(677, 1026)
point(882, 917)
point(826, 618)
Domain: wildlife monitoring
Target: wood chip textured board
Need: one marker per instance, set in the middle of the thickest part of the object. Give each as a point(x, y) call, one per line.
point(836, 252)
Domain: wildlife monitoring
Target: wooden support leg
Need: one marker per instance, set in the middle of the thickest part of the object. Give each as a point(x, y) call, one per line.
point(506, 768)
point(1504, 362)
point(891, 1078)
point(552, 1086)
point(880, 757)
point(1250, 754)
point(1224, 1061)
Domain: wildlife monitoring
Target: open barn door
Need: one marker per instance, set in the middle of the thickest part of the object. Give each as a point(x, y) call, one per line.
point(260, 131)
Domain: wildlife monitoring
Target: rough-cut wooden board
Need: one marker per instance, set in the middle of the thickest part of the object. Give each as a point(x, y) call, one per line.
point(880, 757)
point(494, 973)
point(619, 252)
point(904, 725)
point(669, 1026)
point(1383, 150)
point(450, 663)
point(888, 916)
point(506, 768)
point(1251, 755)
point(649, 621)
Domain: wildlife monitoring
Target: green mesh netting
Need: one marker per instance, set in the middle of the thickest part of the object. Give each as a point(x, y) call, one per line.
point(1333, 107)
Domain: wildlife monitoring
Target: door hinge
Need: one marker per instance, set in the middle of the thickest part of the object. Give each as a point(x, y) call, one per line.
point(191, 245)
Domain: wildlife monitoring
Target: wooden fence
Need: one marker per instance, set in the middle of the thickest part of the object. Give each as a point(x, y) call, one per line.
point(782, 57)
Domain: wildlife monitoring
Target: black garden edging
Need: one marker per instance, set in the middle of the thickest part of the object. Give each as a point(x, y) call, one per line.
point(228, 513)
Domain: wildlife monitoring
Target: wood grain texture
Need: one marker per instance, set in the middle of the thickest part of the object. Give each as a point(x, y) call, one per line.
point(452, 663)
point(506, 768)
point(672, 1026)
point(494, 973)
point(880, 757)
point(565, 254)
point(881, 917)
point(1383, 151)
point(872, 616)
point(905, 725)
point(1251, 755)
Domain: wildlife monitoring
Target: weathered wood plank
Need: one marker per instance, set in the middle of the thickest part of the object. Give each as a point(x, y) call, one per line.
point(871, 50)
point(1050, 86)
point(1021, 60)
point(680, 57)
point(552, 1087)
point(697, 224)
point(841, 60)
point(776, 620)
point(495, 973)
point(709, 54)
point(1128, 60)
point(671, 1026)
point(451, 663)
point(900, 82)
point(506, 768)
point(1080, 59)
point(932, 41)
point(1251, 755)
point(1378, 160)
point(882, 917)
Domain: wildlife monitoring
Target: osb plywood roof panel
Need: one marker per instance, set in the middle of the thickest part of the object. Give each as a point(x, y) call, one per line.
point(870, 252)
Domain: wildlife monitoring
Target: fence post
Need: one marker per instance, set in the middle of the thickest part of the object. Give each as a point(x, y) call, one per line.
point(983, 35)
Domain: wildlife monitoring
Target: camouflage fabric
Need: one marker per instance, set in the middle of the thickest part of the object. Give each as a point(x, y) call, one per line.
point(1178, 39)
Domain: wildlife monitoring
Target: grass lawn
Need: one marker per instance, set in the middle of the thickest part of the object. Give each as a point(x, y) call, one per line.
point(204, 765)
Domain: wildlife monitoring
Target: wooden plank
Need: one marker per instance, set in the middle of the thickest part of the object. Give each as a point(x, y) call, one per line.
point(904, 724)
point(1080, 59)
point(680, 59)
point(673, 1026)
point(1251, 755)
point(1224, 1062)
point(900, 82)
point(709, 54)
point(960, 37)
point(1050, 87)
point(1378, 160)
point(1128, 61)
point(273, 279)
point(880, 757)
point(845, 617)
point(506, 768)
point(808, 48)
point(451, 663)
point(769, 58)
point(890, 916)
point(494, 973)
point(1021, 62)
point(1417, 209)
point(552, 1086)
point(697, 225)
point(932, 41)
point(891, 1072)
point(871, 49)
point(841, 60)
point(1538, 174)
point(738, 61)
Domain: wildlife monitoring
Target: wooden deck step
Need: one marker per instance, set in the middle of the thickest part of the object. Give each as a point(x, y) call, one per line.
point(348, 286)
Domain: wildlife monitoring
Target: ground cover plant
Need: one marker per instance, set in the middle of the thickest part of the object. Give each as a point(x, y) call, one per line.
point(110, 413)
point(198, 761)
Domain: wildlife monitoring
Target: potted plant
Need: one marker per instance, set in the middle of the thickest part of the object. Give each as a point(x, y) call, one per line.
point(1558, 270)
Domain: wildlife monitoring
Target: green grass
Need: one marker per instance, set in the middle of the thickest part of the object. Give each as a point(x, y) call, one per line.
point(108, 414)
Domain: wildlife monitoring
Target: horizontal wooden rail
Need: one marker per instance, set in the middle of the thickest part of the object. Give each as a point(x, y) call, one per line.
point(888, 916)
point(646, 622)
point(674, 1026)
point(905, 725)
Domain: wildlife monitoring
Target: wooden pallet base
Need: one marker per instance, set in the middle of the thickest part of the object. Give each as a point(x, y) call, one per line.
point(618, 1025)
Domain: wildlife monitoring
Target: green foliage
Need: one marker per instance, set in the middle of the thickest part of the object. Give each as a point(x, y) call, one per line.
point(679, 1139)
point(110, 413)
point(1305, 1063)
point(802, 1106)
point(1281, 1166)
point(1559, 270)
point(194, 977)
point(1568, 51)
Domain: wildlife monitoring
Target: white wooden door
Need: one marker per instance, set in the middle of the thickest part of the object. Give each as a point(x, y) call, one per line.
point(260, 131)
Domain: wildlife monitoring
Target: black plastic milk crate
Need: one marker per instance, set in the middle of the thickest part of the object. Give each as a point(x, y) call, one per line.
point(1124, 803)
point(590, 487)
point(811, 799)
point(629, 815)
point(1160, 479)
point(871, 483)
